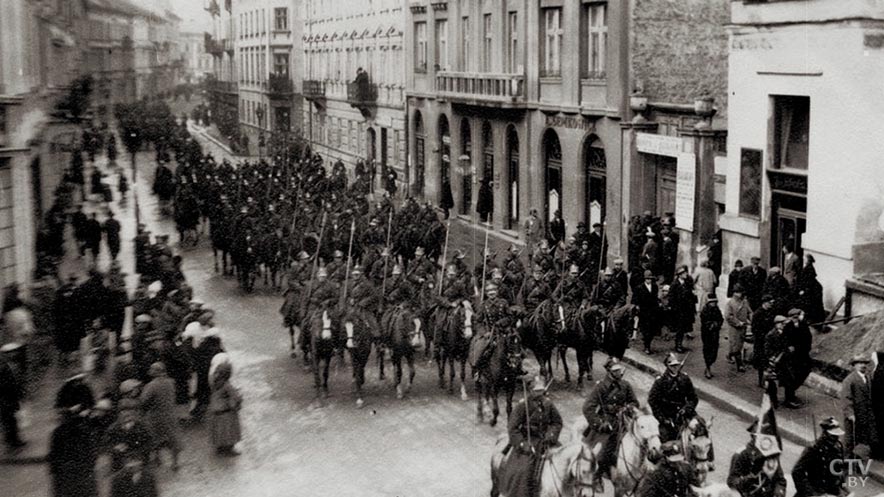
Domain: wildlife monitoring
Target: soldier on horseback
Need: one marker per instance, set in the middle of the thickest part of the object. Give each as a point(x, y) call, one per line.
point(602, 411)
point(504, 287)
point(422, 269)
point(398, 290)
point(337, 267)
point(363, 292)
point(571, 291)
point(535, 291)
point(533, 427)
point(672, 399)
point(325, 292)
point(608, 294)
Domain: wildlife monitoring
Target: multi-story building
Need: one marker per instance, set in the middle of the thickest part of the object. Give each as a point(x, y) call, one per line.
point(805, 164)
point(594, 108)
point(222, 84)
point(41, 54)
point(157, 58)
point(197, 62)
point(347, 120)
point(110, 55)
point(268, 38)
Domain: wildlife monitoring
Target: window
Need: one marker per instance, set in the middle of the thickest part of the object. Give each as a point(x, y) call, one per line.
point(552, 42)
point(281, 64)
point(487, 43)
point(513, 55)
point(442, 45)
point(465, 47)
point(420, 47)
point(750, 182)
point(596, 19)
point(281, 19)
point(791, 131)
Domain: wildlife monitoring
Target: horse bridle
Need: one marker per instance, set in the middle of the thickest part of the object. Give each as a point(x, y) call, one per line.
point(643, 447)
point(576, 484)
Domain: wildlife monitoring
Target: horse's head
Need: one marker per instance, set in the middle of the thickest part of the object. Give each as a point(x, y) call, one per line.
point(646, 429)
point(560, 316)
point(698, 444)
point(512, 350)
point(583, 469)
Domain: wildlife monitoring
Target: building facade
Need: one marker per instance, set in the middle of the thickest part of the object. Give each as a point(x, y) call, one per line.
point(197, 62)
point(542, 101)
point(346, 120)
point(804, 170)
point(268, 49)
point(222, 85)
point(110, 55)
point(41, 54)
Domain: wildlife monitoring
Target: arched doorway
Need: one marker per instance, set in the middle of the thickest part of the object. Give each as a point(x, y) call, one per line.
point(445, 153)
point(466, 145)
point(595, 168)
point(512, 159)
point(485, 201)
point(419, 157)
point(372, 155)
point(552, 160)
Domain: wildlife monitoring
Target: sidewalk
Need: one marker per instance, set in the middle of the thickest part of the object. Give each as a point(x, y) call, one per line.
point(739, 393)
point(39, 417)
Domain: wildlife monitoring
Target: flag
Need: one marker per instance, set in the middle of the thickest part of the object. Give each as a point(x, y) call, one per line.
point(764, 428)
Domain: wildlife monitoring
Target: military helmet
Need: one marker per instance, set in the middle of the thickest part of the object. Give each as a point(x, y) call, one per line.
point(496, 274)
point(419, 251)
point(452, 270)
point(490, 287)
point(397, 269)
point(671, 360)
point(338, 254)
point(574, 270)
point(303, 256)
point(356, 270)
point(322, 273)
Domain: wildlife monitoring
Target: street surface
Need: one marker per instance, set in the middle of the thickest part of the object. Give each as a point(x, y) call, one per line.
point(427, 444)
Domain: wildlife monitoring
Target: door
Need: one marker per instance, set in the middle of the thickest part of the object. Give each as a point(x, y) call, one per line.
point(789, 223)
point(666, 181)
point(513, 175)
point(384, 153)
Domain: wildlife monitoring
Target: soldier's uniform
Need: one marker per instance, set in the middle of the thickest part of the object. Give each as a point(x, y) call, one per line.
point(571, 290)
point(534, 293)
point(609, 294)
point(813, 473)
point(673, 401)
point(422, 270)
point(495, 313)
point(365, 294)
point(747, 474)
point(673, 477)
point(534, 425)
point(337, 268)
point(601, 409)
point(324, 295)
point(398, 291)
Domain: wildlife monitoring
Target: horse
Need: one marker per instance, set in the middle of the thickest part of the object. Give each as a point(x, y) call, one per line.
point(359, 325)
point(618, 329)
point(579, 333)
point(291, 319)
point(698, 449)
point(640, 439)
point(453, 330)
point(566, 470)
point(221, 236)
point(539, 336)
point(499, 372)
point(719, 490)
point(272, 258)
point(324, 340)
point(402, 333)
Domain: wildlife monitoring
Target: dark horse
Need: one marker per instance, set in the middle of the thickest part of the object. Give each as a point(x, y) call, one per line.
point(291, 319)
point(579, 334)
point(325, 340)
point(359, 327)
point(500, 372)
point(221, 236)
point(539, 336)
point(453, 330)
point(402, 334)
point(618, 330)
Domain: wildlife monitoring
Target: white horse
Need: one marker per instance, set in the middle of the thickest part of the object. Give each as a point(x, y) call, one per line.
point(567, 469)
point(640, 440)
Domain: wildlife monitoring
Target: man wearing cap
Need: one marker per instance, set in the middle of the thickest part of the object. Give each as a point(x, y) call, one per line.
point(857, 407)
point(534, 291)
point(494, 312)
point(779, 355)
point(711, 321)
point(777, 286)
point(602, 412)
point(672, 477)
point(399, 290)
point(673, 399)
point(608, 294)
point(738, 317)
point(800, 338)
point(422, 269)
point(755, 471)
point(454, 290)
point(683, 303)
point(620, 275)
point(533, 426)
point(504, 287)
point(336, 267)
point(645, 296)
point(814, 473)
point(533, 230)
point(571, 291)
point(752, 278)
point(514, 270)
point(762, 323)
point(325, 293)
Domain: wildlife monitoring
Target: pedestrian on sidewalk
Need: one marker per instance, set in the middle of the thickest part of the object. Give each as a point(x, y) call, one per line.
point(733, 278)
point(73, 451)
point(800, 340)
point(858, 409)
point(711, 322)
point(92, 237)
point(158, 406)
point(878, 404)
point(739, 318)
point(809, 292)
point(762, 323)
point(752, 280)
point(10, 397)
point(208, 348)
point(111, 230)
point(447, 200)
point(533, 230)
point(122, 186)
point(225, 405)
point(645, 296)
point(704, 283)
point(18, 331)
point(683, 304)
point(78, 222)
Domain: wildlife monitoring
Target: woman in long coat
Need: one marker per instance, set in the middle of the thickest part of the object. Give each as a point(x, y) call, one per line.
point(224, 407)
point(809, 292)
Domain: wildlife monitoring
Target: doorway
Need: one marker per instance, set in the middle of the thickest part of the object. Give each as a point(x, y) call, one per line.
point(466, 145)
point(788, 225)
point(485, 199)
point(666, 169)
point(552, 153)
point(595, 168)
point(512, 142)
point(445, 154)
point(372, 156)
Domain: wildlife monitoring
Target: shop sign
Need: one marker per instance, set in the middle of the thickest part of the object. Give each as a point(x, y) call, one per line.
point(787, 182)
point(685, 188)
point(570, 122)
point(650, 143)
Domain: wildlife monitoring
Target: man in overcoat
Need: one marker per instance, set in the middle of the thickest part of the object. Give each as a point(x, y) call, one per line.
point(646, 297)
point(813, 474)
point(857, 407)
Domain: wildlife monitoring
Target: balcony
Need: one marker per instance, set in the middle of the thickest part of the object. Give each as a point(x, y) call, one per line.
point(363, 96)
point(482, 89)
point(213, 46)
point(280, 87)
point(314, 91)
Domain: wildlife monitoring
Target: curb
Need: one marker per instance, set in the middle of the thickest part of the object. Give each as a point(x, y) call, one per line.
point(726, 401)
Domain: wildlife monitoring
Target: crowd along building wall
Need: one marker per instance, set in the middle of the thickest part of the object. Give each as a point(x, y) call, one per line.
point(804, 167)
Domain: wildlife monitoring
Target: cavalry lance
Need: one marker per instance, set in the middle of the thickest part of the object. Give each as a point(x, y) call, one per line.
point(386, 259)
point(444, 256)
point(349, 258)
